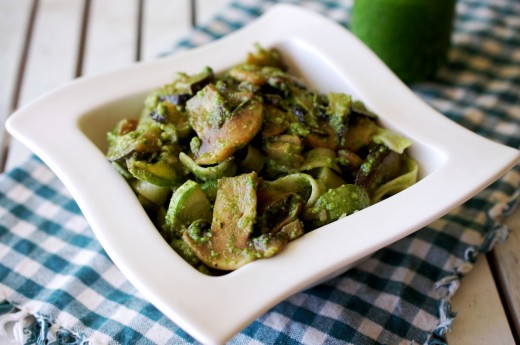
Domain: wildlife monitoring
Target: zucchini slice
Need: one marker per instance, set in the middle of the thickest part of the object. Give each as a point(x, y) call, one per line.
point(188, 204)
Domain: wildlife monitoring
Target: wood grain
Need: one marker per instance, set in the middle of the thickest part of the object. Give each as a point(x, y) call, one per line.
point(15, 30)
point(111, 36)
point(481, 318)
point(52, 57)
point(506, 261)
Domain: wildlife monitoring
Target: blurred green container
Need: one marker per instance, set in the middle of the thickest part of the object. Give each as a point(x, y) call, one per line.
point(411, 36)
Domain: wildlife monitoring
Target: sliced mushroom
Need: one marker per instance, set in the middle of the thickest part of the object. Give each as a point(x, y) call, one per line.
point(222, 132)
point(228, 244)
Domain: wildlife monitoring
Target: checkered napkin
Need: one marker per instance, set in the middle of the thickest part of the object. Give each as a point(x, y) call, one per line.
point(58, 285)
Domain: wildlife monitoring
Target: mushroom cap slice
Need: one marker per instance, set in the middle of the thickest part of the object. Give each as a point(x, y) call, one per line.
point(222, 132)
point(225, 246)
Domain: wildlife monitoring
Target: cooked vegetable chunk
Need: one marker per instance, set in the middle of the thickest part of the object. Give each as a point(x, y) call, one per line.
point(399, 183)
point(221, 131)
point(187, 205)
point(226, 168)
point(337, 203)
point(380, 166)
point(228, 244)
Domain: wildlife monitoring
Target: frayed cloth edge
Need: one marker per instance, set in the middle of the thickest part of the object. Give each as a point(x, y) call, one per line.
point(498, 232)
point(32, 328)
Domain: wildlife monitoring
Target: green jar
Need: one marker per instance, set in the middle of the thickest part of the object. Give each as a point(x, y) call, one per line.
point(411, 36)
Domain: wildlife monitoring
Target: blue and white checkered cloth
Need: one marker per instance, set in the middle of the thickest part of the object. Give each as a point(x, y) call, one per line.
point(57, 285)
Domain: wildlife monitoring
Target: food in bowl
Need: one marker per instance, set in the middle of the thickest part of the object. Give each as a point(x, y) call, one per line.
point(231, 167)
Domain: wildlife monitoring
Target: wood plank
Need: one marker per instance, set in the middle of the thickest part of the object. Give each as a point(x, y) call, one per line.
point(53, 52)
point(164, 23)
point(52, 57)
point(15, 17)
point(481, 318)
point(506, 260)
point(111, 36)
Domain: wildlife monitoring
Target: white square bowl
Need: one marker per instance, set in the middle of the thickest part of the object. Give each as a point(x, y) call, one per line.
point(67, 129)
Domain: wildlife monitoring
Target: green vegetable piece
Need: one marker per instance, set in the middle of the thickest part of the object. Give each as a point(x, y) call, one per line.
point(277, 209)
point(319, 158)
point(360, 132)
point(210, 188)
point(226, 168)
point(400, 183)
point(265, 57)
point(151, 192)
point(141, 141)
point(185, 251)
point(337, 203)
point(392, 140)
point(303, 184)
point(164, 172)
point(328, 179)
point(338, 110)
point(360, 108)
point(285, 150)
point(275, 122)
point(121, 168)
point(380, 166)
point(254, 160)
point(186, 84)
point(166, 113)
point(188, 204)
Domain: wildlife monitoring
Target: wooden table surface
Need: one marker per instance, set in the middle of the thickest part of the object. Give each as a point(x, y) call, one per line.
point(47, 43)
